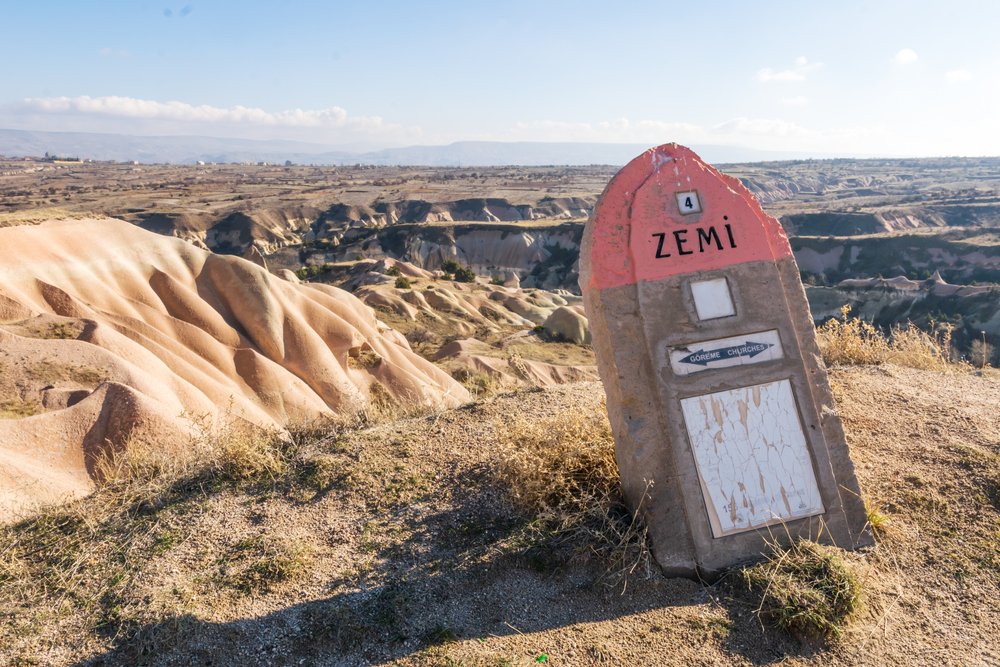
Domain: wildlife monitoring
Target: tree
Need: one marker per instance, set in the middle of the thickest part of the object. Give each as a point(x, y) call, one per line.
point(464, 274)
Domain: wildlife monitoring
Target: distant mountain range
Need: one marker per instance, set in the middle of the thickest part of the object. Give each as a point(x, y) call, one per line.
point(192, 149)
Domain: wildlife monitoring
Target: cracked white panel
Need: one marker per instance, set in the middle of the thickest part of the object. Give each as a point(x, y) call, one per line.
point(752, 457)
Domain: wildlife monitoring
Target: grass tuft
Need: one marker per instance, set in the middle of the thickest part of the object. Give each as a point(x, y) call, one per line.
point(480, 384)
point(806, 589)
point(878, 521)
point(263, 561)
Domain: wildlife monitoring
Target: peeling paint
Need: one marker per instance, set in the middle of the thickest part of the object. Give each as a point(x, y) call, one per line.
point(755, 443)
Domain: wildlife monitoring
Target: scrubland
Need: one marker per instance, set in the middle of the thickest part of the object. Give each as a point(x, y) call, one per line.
point(495, 534)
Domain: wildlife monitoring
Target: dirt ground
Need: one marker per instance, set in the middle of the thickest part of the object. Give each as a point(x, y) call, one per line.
point(411, 556)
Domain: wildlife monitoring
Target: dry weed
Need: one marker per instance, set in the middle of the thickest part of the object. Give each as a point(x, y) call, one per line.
point(565, 462)
point(236, 451)
point(878, 521)
point(852, 341)
point(480, 385)
point(244, 451)
point(563, 471)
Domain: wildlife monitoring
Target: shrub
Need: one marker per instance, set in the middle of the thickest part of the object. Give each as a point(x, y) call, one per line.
point(393, 271)
point(806, 589)
point(852, 341)
point(981, 353)
point(313, 270)
point(402, 282)
point(450, 266)
point(464, 274)
point(565, 463)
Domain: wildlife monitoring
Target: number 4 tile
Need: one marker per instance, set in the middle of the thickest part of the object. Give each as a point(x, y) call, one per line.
point(688, 202)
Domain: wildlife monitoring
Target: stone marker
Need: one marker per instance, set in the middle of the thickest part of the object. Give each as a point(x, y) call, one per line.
point(725, 429)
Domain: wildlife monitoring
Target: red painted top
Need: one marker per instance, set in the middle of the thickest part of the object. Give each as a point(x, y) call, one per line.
point(638, 231)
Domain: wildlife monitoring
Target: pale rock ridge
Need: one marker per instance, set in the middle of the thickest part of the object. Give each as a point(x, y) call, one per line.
point(127, 333)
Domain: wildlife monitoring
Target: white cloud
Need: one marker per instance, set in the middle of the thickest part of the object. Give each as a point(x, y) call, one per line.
point(771, 134)
point(179, 116)
point(771, 127)
point(797, 72)
point(621, 129)
point(958, 75)
point(797, 101)
point(905, 57)
point(130, 107)
point(765, 133)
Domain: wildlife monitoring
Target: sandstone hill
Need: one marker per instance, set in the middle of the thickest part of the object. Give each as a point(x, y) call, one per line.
point(490, 332)
point(110, 333)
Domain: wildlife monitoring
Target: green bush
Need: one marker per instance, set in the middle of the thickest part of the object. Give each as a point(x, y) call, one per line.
point(310, 272)
point(402, 282)
point(464, 274)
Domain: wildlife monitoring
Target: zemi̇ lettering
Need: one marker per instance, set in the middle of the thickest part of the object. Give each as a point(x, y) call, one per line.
point(685, 245)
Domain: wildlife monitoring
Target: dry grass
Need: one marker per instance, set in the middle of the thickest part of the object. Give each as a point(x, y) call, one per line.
point(236, 451)
point(878, 521)
point(481, 385)
point(563, 463)
point(562, 470)
point(40, 215)
point(262, 562)
point(52, 372)
point(15, 409)
point(382, 545)
point(807, 589)
point(852, 341)
point(68, 574)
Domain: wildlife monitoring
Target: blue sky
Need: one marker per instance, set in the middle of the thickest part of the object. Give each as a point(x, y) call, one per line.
point(834, 78)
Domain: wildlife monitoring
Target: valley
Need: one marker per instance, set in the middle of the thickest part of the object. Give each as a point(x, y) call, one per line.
point(854, 224)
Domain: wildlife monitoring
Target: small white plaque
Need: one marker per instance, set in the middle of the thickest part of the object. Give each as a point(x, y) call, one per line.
point(752, 458)
point(712, 299)
point(688, 202)
point(725, 352)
